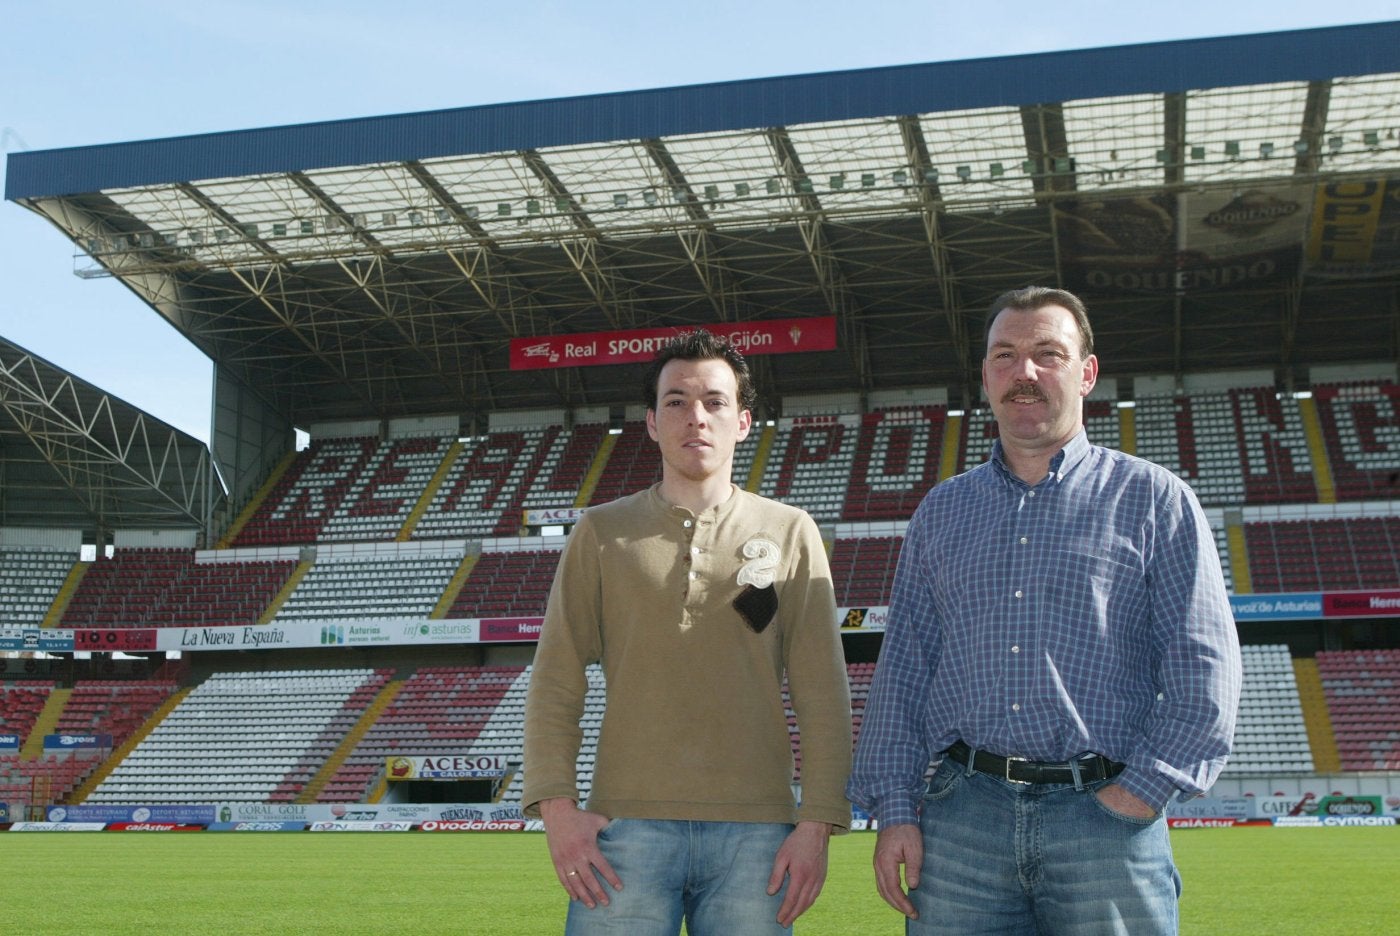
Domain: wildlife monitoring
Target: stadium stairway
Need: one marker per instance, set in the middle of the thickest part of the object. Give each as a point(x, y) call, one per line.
point(595, 470)
point(251, 508)
point(454, 587)
point(1241, 582)
point(1317, 449)
point(1316, 717)
point(285, 592)
point(760, 459)
point(94, 779)
point(33, 747)
point(347, 745)
point(952, 446)
point(65, 594)
point(429, 492)
point(1127, 429)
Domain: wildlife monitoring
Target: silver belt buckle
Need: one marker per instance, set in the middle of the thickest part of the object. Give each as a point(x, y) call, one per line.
point(1007, 773)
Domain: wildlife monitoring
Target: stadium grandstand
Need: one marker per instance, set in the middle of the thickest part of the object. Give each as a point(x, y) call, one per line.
point(427, 331)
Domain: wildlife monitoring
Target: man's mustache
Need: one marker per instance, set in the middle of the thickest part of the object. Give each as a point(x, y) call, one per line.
point(1024, 389)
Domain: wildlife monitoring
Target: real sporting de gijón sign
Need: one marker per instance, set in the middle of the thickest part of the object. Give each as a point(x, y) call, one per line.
point(589, 349)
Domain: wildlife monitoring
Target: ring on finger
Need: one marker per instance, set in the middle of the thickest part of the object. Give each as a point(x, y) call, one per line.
point(573, 874)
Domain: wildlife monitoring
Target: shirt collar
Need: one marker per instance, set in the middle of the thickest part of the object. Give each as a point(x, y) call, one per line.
point(717, 512)
point(1061, 463)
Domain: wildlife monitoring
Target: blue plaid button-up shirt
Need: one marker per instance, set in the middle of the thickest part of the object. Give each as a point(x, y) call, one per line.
point(1084, 613)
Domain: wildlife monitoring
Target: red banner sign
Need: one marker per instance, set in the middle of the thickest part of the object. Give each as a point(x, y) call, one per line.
point(510, 629)
point(590, 349)
point(1361, 604)
point(125, 640)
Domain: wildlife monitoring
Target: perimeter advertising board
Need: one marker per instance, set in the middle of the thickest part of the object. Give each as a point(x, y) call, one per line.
point(292, 635)
point(178, 815)
point(398, 632)
point(76, 742)
point(855, 620)
point(367, 812)
point(33, 639)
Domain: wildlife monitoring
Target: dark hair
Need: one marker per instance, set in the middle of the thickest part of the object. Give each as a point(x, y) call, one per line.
point(699, 345)
point(1030, 298)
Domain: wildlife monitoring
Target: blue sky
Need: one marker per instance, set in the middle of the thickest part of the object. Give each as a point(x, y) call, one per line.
point(81, 73)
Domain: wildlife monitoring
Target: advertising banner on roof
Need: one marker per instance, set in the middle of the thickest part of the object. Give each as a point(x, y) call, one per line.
point(1355, 230)
point(1190, 242)
point(591, 349)
point(1255, 222)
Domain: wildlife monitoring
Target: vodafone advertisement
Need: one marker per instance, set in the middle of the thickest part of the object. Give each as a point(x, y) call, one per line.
point(591, 349)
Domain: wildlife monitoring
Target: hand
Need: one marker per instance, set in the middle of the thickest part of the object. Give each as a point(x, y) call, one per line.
point(895, 846)
point(1124, 803)
point(802, 860)
point(573, 847)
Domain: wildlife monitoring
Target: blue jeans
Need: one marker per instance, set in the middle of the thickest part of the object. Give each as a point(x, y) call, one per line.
point(715, 874)
point(1005, 857)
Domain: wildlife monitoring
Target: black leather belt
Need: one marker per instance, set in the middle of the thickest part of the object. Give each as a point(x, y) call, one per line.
point(1019, 770)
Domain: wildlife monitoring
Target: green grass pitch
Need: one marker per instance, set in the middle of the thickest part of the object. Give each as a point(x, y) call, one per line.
point(1335, 881)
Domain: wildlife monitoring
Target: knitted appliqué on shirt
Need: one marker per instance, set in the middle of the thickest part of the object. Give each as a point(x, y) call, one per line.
point(757, 604)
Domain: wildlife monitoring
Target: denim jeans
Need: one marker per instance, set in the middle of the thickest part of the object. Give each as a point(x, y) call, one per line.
point(1005, 857)
point(715, 874)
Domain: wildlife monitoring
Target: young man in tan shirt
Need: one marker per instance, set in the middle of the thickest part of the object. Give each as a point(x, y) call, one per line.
point(697, 598)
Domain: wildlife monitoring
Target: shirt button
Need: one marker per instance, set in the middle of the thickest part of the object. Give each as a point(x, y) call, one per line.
point(1015, 706)
point(688, 524)
point(695, 549)
point(692, 576)
point(1015, 649)
point(1030, 493)
point(1024, 541)
point(1018, 593)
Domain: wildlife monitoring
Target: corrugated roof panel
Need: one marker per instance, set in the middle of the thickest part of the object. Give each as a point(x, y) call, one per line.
point(1116, 142)
point(1243, 132)
point(1363, 119)
point(979, 155)
point(1163, 67)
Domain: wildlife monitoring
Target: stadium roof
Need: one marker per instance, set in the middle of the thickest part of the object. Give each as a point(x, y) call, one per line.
point(73, 456)
point(1221, 203)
